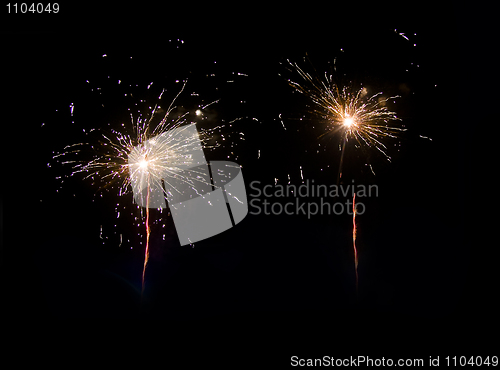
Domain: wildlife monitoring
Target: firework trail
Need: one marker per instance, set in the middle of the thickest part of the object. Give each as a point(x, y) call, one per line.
point(339, 175)
point(148, 232)
point(354, 239)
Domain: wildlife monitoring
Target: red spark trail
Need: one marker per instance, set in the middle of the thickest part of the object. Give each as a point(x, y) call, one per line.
point(354, 238)
point(148, 231)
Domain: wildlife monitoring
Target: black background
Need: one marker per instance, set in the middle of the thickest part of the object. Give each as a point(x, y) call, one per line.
point(285, 277)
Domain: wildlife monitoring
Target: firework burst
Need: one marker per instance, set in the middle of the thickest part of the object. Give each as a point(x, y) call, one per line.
point(121, 158)
point(349, 111)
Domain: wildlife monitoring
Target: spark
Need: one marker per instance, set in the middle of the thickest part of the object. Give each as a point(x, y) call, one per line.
point(281, 119)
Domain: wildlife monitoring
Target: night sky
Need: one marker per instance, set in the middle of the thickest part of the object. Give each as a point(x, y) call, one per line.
point(283, 273)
